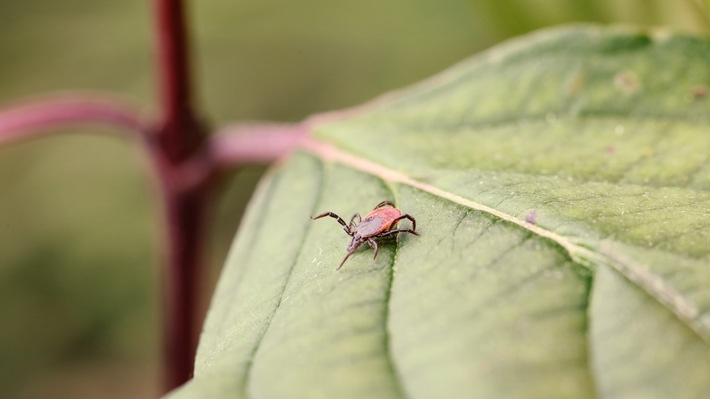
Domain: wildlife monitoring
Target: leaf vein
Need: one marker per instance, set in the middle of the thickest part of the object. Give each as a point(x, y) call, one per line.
point(388, 348)
point(249, 367)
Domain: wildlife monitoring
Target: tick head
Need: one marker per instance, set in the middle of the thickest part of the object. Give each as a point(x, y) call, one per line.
point(355, 243)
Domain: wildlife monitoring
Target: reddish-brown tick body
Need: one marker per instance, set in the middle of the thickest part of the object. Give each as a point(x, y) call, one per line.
point(381, 222)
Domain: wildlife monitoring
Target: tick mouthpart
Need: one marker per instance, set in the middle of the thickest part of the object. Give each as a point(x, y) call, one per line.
point(344, 259)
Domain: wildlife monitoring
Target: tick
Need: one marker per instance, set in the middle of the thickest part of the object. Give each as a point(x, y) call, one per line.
point(381, 222)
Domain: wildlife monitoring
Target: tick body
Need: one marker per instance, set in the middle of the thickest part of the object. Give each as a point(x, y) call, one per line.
point(381, 222)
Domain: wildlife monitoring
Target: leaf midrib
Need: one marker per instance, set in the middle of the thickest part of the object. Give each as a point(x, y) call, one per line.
point(652, 284)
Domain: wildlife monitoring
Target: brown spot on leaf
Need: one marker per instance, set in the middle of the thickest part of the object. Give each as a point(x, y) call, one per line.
point(576, 85)
point(626, 81)
point(699, 91)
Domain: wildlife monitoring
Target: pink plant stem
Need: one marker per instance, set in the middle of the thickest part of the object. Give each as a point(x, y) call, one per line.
point(256, 143)
point(184, 173)
point(27, 120)
point(261, 142)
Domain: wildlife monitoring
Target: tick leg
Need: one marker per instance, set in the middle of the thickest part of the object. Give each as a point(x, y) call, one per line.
point(389, 233)
point(336, 217)
point(384, 203)
point(408, 217)
point(352, 220)
point(373, 244)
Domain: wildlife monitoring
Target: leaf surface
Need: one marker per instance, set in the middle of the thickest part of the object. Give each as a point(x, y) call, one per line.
point(560, 184)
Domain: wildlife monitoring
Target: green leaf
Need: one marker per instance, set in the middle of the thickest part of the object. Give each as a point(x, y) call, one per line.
point(560, 184)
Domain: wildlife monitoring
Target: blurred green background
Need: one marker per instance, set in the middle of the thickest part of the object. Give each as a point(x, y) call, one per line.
point(79, 225)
